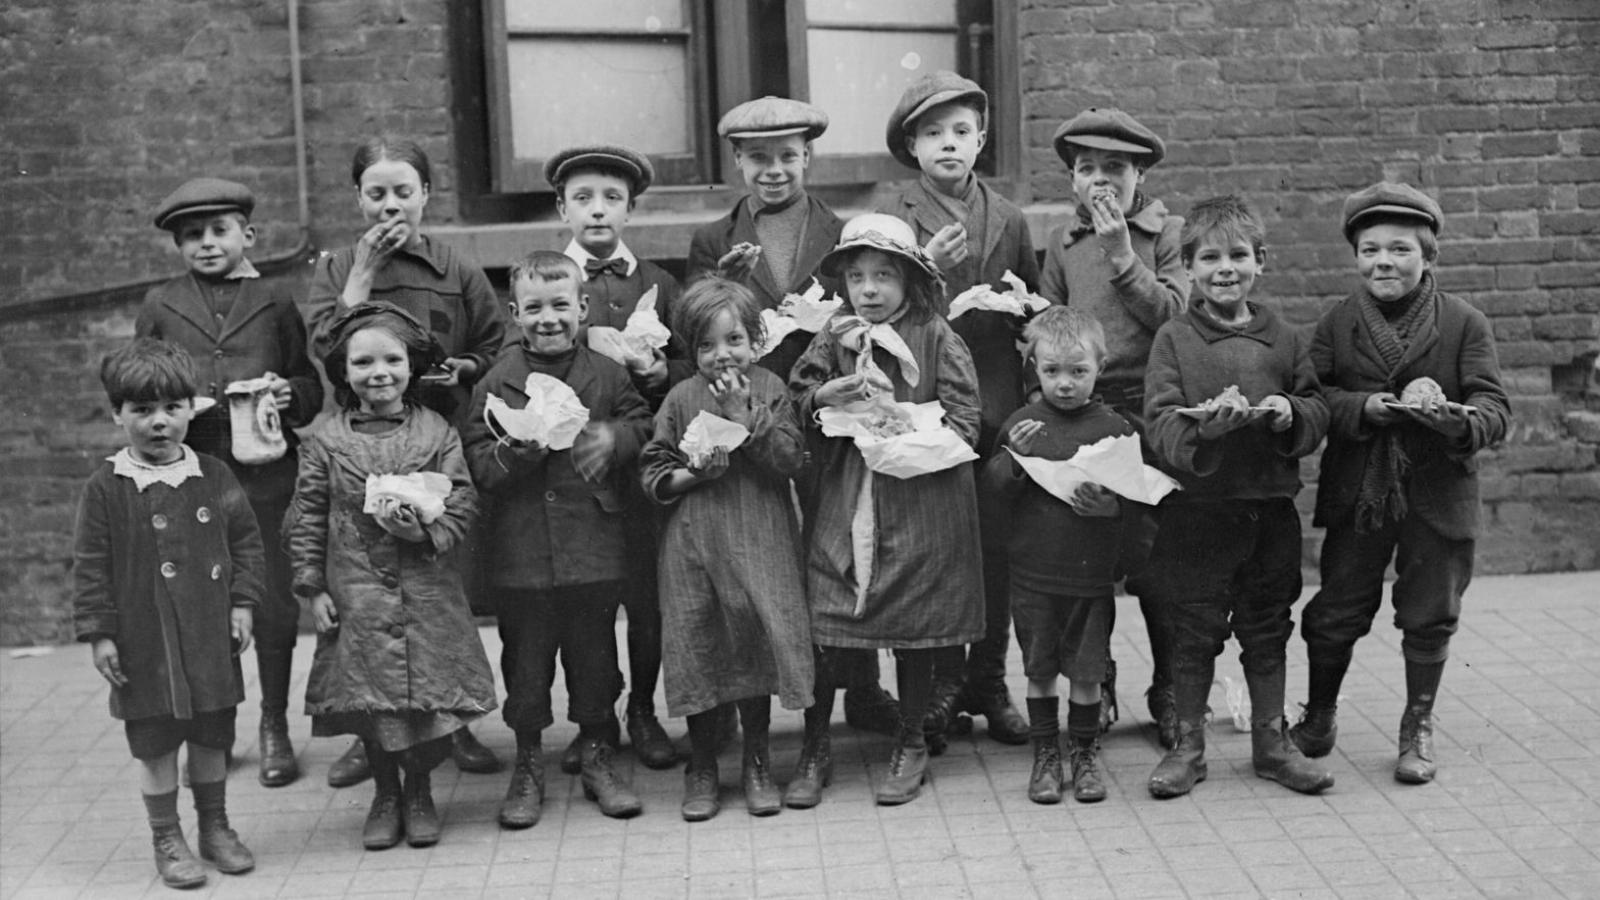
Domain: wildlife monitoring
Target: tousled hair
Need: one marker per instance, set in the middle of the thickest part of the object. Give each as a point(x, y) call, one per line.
point(1064, 326)
point(705, 300)
point(545, 265)
point(376, 149)
point(146, 371)
point(1228, 215)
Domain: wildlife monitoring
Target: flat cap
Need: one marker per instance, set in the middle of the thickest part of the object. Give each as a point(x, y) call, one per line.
point(773, 117)
point(1390, 198)
point(629, 163)
point(924, 94)
point(878, 231)
point(1109, 129)
point(204, 195)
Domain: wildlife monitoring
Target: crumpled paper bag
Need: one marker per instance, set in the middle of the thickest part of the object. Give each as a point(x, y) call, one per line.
point(641, 335)
point(1239, 704)
point(902, 440)
point(424, 492)
point(253, 422)
point(552, 419)
point(707, 432)
point(1114, 462)
point(797, 312)
point(1017, 301)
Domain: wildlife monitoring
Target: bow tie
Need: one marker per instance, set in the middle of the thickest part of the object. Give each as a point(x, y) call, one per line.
point(615, 264)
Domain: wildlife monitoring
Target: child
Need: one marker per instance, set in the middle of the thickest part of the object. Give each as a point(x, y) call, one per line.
point(974, 236)
point(557, 551)
point(399, 663)
point(923, 591)
point(1231, 405)
point(1397, 483)
point(735, 605)
point(774, 237)
point(597, 188)
point(1120, 261)
point(1063, 555)
point(167, 573)
point(240, 328)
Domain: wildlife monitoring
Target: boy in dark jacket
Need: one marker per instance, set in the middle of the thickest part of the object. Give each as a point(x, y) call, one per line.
point(1400, 476)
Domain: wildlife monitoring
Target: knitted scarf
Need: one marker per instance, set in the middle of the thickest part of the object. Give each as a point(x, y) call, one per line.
point(1381, 497)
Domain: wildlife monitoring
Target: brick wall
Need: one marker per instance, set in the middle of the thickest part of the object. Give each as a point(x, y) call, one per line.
point(1495, 106)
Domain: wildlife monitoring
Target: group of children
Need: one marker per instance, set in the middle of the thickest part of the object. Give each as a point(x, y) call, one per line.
point(782, 565)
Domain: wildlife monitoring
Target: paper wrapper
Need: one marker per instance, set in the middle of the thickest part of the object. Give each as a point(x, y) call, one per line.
point(1113, 462)
point(927, 448)
point(1017, 301)
point(706, 433)
point(797, 312)
point(552, 419)
point(424, 492)
point(635, 344)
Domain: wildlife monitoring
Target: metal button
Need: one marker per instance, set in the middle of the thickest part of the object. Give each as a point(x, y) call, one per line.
point(397, 631)
point(203, 514)
point(218, 354)
point(391, 582)
point(550, 496)
point(216, 572)
point(158, 521)
point(168, 570)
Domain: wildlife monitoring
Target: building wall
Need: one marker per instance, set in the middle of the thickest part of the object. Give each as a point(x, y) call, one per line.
point(1493, 106)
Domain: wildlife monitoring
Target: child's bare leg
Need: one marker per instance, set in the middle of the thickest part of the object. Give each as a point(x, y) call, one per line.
point(208, 781)
point(160, 775)
point(158, 782)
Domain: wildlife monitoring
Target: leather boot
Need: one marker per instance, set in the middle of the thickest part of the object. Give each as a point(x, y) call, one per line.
point(572, 757)
point(174, 860)
point(350, 768)
point(384, 819)
point(814, 770)
point(1184, 766)
point(1163, 712)
point(278, 765)
point(470, 755)
point(602, 784)
point(1044, 783)
point(908, 765)
point(943, 713)
point(761, 796)
point(524, 799)
point(650, 742)
point(1416, 765)
point(700, 800)
point(1316, 731)
point(871, 708)
point(220, 845)
point(422, 820)
point(1277, 759)
point(1088, 783)
point(992, 700)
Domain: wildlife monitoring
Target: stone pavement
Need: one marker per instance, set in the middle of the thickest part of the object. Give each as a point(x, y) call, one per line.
point(1512, 814)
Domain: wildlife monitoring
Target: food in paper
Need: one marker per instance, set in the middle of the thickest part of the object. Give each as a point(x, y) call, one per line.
point(1017, 301)
point(876, 426)
point(797, 312)
point(1112, 462)
point(254, 423)
point(424, 492)
point(634, 346)
point(708, 432)
point(552, 418)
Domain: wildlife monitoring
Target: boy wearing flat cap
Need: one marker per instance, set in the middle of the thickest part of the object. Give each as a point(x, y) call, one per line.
point(1120, 260)
point(238, 327)
point(975, 236)
point(774, 237)
point(597, 188)
point(1413, 385)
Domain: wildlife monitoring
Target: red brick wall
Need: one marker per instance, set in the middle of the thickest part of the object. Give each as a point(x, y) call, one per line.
point(1495, 106)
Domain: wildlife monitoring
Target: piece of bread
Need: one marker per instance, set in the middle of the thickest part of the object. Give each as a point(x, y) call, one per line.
point(1422, 390)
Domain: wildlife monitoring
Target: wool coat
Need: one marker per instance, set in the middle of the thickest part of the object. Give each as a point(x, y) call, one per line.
point(713, 240)
point(1131, 305)
point(406, 640)
point(548, 526)
point(733, 603)
point(262, 332)
point(1458, 352)
point(926, 588)
point(159, 571)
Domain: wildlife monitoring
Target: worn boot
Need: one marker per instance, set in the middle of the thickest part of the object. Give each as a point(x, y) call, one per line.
point(700, 801)
point(278, 765)
point(1184, 766)
point(908, 765)
point(1044, 783)
point(1277, 759)
point(814, 770)
point(602, 784)
point(422, 820)
point(385, 820)
point(871, 708)
point(1316, 731)
point(218, 842)
point(1088, 782)
point(524, 800)
point(470, 755)
point(572, 757)
point(174, 860)
point(650, 742)
point(1416, 765)
point(350, 768)
point(761, 796)
point(943, 714)
point(992, 700)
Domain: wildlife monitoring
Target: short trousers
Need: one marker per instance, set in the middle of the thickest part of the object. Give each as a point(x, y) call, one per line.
point(156, 736)
point(1063, 635)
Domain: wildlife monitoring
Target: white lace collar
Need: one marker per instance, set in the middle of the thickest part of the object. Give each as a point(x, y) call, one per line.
point(143, 474)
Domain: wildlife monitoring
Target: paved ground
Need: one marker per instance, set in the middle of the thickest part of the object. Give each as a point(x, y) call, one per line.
point(1514, 812)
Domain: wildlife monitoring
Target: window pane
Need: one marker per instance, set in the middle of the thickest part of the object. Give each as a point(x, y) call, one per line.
point(905, 12)
point(565, 92)
point(541, 15)
point(858, 76)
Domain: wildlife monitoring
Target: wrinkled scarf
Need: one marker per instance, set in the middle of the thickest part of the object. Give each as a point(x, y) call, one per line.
point(1381, 498)
point(971, 211)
